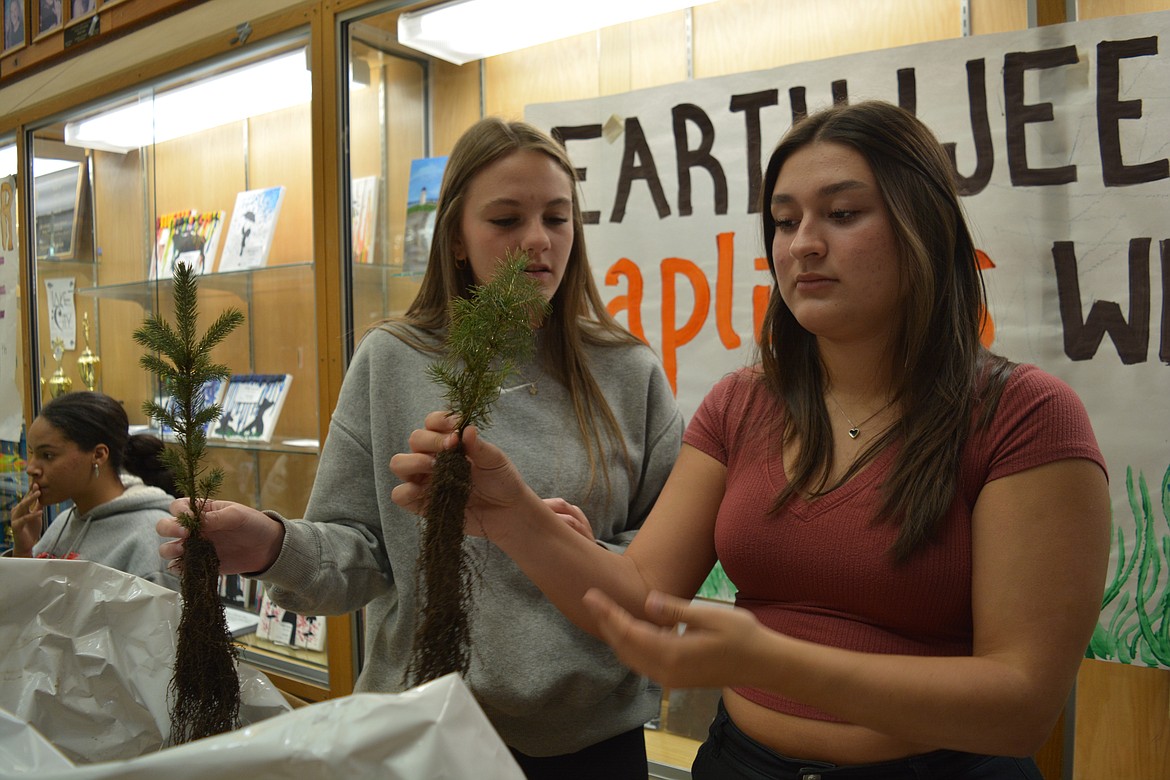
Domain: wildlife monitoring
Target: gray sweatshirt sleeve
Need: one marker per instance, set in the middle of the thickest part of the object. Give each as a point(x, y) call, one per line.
point(334, 561)
point(659, 445)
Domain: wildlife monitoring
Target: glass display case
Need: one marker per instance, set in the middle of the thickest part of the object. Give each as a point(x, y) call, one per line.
point(212, 169)
point(13, 380)
point(389, 148)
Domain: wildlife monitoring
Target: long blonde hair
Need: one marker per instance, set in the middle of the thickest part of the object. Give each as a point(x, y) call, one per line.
point(578, 316)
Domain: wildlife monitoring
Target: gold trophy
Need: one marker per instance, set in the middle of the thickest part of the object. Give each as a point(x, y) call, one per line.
point(59, 384)
point(89, 365)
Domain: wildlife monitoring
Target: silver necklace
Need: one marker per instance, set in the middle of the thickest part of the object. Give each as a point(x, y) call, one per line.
point(532, 389)
point(855, 428)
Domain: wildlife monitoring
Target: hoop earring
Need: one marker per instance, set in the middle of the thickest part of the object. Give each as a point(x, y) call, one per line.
point(460, 263)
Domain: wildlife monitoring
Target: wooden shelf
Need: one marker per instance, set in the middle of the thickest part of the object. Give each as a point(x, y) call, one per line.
point(672, 750)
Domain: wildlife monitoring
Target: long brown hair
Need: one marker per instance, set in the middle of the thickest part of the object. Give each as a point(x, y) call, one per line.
point(578, 315)
point(941, 373)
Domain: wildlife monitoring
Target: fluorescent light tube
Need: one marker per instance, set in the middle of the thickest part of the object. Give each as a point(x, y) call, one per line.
point(464, 30)
point(265, 86)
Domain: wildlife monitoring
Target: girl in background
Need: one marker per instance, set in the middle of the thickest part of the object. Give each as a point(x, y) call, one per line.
point(80, 449)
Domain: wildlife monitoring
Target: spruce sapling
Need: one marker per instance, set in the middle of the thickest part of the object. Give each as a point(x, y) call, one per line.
point(205, 688)
point(489, 333)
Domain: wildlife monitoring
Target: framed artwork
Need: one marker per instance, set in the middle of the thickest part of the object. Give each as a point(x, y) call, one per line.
point(426, 174)
point(188, 238)
point(13, 24)
point(59, 201)
point(80, 8)
point(249, 234)
point(210, 394)
point(251, 406)
point(48, 15)
point(288, 628)
point(364, 211)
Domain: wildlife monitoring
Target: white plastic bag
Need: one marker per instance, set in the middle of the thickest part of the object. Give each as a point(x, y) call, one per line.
point(87, 658)
point(430, 732)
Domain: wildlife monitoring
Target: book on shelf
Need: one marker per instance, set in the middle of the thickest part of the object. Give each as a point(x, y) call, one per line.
point(364, 213)
point(422, 198)
point(240, 597)
point(290, 628)
point(240, 622)
point(250, 231)
point(251, 406)
point(210, 393)
point(236, 590)
point(189, 238)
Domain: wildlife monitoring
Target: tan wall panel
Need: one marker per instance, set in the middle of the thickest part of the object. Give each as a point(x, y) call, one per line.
point(365, 142)
point(123, 377)
point(1097, 9)
point(658, 51)
point(561, 70)
point(284, 329)
point(279, 152)
point(736, 36)
point(404, 142)
point(454, 101)
point(646, 53)
point(992, 16)
point(284, 322)
point(200, 172)
point(121, 226)
point(1122, 722)
point(120, 219)
point(614, 60)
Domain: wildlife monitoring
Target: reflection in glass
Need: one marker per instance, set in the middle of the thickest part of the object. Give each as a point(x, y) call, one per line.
point(388, 136)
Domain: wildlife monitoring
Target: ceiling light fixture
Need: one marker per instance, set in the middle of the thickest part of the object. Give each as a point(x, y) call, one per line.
point(269, 85)
point(460, 31)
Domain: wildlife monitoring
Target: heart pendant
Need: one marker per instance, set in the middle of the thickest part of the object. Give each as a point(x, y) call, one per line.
point(854, 433)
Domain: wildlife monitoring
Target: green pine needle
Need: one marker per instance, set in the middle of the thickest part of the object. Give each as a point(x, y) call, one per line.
point(181, 359)
point(489, 334)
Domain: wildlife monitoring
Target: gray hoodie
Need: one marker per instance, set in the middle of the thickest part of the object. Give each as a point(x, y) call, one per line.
point(119, 533)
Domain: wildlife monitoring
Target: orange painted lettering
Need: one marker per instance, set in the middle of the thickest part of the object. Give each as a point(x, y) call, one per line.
point(631, 302)
point(724, 283)
point(673, 337)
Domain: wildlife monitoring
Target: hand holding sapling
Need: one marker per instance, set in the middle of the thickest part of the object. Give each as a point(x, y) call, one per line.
point(205, 689)
point(490, 332)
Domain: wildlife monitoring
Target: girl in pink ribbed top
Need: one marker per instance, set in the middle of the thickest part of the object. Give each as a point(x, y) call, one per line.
point(918, 529)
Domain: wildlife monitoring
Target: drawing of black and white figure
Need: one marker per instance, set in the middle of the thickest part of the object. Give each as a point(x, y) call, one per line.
point(255, 428)
point(62, 312)
point(251, 406)
point(251, 229)
point(245, 231)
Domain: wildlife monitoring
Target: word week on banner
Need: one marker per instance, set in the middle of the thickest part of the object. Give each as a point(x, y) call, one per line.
point(1060, 139)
